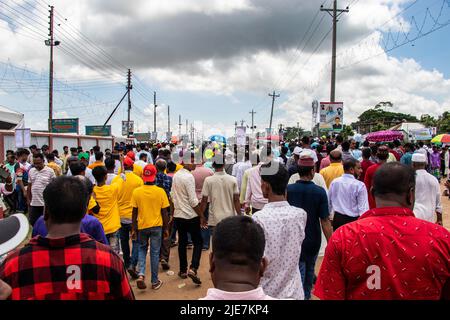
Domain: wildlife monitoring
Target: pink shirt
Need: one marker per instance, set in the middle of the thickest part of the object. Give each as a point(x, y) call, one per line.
point(325, 163)
point(257, 294)
point(254, 195)
point(200, 174)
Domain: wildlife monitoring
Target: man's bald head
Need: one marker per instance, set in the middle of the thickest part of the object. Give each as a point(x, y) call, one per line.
point(161, 165)
point(335, 156)
point(393, 185)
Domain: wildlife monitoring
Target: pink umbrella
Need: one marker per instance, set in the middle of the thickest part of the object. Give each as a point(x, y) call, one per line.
point(384, 136)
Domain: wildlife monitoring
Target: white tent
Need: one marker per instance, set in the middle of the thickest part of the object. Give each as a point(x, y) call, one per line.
point(9, 119)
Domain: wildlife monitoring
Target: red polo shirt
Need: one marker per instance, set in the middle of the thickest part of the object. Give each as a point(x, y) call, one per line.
point(387, 254)
point(368, 181)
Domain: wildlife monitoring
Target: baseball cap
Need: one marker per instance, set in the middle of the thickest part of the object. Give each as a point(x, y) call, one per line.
point(297, 151)
point(128, 162)
point(149, 174)
point(13, 231)
point(131, 155)
point(83, 155)
point(419, 158)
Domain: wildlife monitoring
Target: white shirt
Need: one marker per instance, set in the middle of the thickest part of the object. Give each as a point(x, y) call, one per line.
point(257, 294)
point(141, 163)
point(183, 195)
point(318, 180)
point(92, 159)
point(109, 178)
point(39, 181)
point(428, 196)
point(239, 170)
point(284, 229)
point(87, 173)
point(348, 196)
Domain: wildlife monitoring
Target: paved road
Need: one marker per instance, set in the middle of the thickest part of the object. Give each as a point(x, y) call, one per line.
point(171, 291)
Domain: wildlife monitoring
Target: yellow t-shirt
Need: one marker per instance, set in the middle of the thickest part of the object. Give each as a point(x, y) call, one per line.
point(131, 183)
point(96, 164)
point(137, 170)
point(91, 205)
point(107, 198)
point(333, 171)
point(56, 168)
point(149, 200)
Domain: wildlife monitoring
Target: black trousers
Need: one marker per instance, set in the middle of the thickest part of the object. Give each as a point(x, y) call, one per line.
point(341, 219)
point(35, 214)
point(184, 227)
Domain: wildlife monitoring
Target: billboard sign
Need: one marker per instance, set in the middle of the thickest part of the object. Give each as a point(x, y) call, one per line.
point(241, 137)
point(142, 136)
point(127, 128)
point(98, 131)
point(331, 116)
point(65, 125)
point(421, 134)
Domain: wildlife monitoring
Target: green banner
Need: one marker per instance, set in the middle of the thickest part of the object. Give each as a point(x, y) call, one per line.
point(99, 131)
point(65, 125)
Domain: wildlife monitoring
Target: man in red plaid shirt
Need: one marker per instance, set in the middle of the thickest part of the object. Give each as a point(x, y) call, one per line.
point(66, 265)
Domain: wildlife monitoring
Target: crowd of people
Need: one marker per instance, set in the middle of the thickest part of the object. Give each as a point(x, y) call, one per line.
point(263, 210)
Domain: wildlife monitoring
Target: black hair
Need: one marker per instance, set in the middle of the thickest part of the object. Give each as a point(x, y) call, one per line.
point(284, 150)
point(33, 146)
point(98, 156)
point(391, 145)
point(50, 157)
point(304, 171)
point(345, 146)
point(218, 160)
point(382, 154)
point(319, 148)
point(142, 155)
point(339, 139)
point(76, 168)
point(39, 155)
point(366, 153)
point(366, 143)
point(65, 147)
point(99, 173)
point(350, 164)
point(21, 152)
point(73, 149)
point(239, 240)
point(305, 140)
point(161, 165)
point(171, 166)
point(110, 163)
point(393, 178)
point(96, 149)
point(66, 200)
point(55, 152)
point(277, 181)
point(337, 158)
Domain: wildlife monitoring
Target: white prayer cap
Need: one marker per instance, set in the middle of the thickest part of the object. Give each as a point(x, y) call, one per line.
point(419, 158)
point(297, 151)
point(307, 153)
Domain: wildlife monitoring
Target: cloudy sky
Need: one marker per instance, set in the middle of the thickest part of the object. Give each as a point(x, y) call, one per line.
point(213, 61)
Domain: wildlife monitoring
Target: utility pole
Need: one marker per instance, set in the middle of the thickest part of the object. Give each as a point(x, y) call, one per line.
point(179, 127)
point(242, 123)
point(154, 112)
point(51, 43)
point(335, 13)
point(168, 118)
point(187, 126)
point(274, 96)
point(129, 87)
point(253, 122)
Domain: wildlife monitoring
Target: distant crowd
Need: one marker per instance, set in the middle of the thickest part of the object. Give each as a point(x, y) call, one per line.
point(264, 211)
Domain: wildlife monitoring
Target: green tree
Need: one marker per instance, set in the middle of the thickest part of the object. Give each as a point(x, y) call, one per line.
point(347, 132)
point(443, 124)
point(292, 133)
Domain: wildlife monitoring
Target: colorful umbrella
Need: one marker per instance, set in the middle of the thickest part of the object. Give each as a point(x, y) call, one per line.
point(384, 136)
point(442, 138)
point(218, 138)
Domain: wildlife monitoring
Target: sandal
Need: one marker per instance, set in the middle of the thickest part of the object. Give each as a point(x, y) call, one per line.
point(193, 275)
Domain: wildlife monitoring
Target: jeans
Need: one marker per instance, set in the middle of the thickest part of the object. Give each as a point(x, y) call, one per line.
point(154, 235)
point(307, 266)
point(113, 240)
point(21, 201)
point(206, 233)
point(191, 226)
point(165, 245)
point(124, 234)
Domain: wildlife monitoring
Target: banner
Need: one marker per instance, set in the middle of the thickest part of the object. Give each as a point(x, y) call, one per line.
point(142, 137)
point(65, 125)
point(331, 116)
point(98, 131)
point(241, 137)
point(23, 138)
point(127, 127)
point(421, 134)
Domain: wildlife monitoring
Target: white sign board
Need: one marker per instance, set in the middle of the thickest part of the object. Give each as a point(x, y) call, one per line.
point(241, 137)
point(23, 138)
